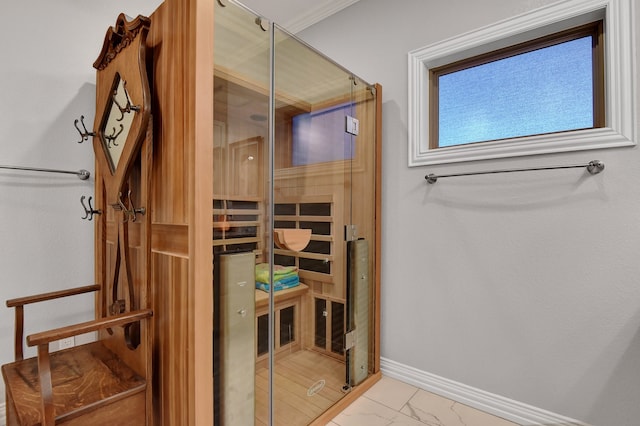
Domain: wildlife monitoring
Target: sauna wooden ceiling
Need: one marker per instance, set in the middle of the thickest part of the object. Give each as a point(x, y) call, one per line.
point(302, 76)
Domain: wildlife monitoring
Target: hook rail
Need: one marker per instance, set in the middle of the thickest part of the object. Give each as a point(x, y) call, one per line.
point(593, 167)
point(82, 174)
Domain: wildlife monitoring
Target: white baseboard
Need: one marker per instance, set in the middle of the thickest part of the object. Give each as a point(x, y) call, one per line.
point(518, 412)
point(3, 414)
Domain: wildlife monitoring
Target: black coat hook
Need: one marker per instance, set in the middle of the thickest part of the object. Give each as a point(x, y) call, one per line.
point(84, 134)
point(130, 211)
point(111, 139)
point(88, 212)
point(128, 107)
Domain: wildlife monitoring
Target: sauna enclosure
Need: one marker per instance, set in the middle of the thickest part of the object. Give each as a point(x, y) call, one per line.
point(256, 240)
point(311, 333)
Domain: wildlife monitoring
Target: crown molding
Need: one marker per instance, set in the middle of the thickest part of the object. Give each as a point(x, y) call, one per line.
point(317, 14)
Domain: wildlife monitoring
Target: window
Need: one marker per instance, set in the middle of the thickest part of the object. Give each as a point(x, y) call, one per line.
point(552, 84)
point(514, 110)
point(320, 137)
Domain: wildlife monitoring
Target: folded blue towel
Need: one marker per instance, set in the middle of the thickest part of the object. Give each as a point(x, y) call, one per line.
point(284, 281)
point(279, 272)
point(279, 285)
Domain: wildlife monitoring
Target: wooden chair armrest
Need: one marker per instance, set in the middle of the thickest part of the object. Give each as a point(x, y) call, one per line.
point(21, 301)
point(45, 337)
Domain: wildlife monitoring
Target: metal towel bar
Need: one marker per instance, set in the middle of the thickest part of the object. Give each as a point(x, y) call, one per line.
point(82, 174)
point(593, 167)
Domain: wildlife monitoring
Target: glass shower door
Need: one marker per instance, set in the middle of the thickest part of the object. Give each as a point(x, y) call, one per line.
point(241, 204)
point(294, 225)
point(324, 184)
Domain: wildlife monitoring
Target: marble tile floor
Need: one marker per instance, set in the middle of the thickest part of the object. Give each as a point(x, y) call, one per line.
point(393, 403)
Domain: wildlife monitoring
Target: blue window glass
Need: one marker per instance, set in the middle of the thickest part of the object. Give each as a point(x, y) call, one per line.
point(320, 136)
point(542, 91)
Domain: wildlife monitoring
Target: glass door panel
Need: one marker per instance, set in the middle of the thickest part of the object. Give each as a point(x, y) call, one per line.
point(293, 216)
point(361, 239)
point(324, 163)
point(240, 212)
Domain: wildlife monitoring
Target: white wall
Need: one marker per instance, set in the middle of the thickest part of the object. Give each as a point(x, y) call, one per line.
point(47, 81)
point(523, 285)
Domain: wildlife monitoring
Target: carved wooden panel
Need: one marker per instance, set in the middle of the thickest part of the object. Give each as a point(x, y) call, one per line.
point(122, 244)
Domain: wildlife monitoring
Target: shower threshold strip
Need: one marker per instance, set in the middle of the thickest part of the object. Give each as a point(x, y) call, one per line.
point(593, 167)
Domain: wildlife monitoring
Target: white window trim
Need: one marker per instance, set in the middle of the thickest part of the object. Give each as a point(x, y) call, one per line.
point(619, 82)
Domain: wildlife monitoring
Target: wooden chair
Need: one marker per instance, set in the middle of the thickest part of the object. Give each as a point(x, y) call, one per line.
point(83, 385)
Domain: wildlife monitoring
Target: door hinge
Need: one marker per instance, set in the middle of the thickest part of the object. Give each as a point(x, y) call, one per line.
point(350, 340)
point(350, 232)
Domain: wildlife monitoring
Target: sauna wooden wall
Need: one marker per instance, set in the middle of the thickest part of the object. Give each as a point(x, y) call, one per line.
point(181, 45)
